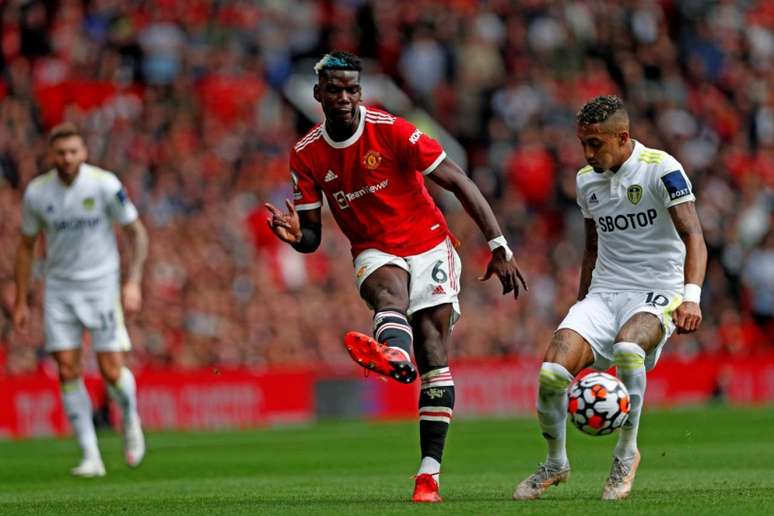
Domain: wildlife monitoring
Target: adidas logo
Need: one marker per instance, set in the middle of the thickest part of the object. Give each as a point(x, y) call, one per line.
point(330, 176)
point(593, 199)
point(438, 290)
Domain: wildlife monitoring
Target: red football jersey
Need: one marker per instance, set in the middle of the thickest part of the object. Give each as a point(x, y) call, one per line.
point(373, 182)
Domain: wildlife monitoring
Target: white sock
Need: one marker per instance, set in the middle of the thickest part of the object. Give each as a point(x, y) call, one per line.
point(432, 467)
point(77, 406)
point(552, 410)
point(124, 392)
point(630, 363)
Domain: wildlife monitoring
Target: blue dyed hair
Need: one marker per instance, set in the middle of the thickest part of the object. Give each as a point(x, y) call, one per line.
point(338, 60)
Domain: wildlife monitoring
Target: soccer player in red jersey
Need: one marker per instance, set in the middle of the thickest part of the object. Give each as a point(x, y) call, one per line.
point(369, 165)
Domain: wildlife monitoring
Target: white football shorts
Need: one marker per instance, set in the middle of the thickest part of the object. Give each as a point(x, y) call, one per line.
point(599, 317)
point(434, 276)
point(70, 307)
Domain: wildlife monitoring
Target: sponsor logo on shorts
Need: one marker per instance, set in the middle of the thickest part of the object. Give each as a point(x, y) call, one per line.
point(438, 290)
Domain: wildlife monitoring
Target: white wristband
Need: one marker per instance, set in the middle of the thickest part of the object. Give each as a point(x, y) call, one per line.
point(692, 293)
point(501, 242)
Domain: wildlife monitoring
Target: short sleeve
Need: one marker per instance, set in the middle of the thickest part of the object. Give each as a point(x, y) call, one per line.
point(31, 223)
point(581, 201)
point(119, 206)
point(306, 193)
point(673, 185)
point(416, 149)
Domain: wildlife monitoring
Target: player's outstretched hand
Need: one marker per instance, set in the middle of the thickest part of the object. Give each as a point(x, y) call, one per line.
point(285, 225)
point(21, 314)
point(507, 272)
point(687, 317)
point(132, 297)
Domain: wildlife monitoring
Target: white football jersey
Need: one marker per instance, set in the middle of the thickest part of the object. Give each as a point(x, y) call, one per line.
point(638, 248)
point(78, 222)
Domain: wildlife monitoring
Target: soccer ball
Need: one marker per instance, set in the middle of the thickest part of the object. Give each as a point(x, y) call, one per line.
point(599, 404)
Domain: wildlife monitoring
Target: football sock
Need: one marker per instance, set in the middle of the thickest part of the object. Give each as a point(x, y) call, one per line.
point(630, 363)
point(77, 406)
point(553, 381)
point(392, 328)
point(436, 405)
point(124, 392)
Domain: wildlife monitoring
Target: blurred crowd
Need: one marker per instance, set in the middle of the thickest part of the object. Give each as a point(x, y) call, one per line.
point(183, 100)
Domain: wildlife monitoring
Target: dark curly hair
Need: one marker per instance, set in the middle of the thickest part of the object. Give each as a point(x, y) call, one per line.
point(338, 60)
point(600, 109)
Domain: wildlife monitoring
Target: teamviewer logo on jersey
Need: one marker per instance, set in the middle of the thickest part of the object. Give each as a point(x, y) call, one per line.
point(330, 176)
point(341, 199)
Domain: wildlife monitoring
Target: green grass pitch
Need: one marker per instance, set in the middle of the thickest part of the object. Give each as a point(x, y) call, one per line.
point(698, 461)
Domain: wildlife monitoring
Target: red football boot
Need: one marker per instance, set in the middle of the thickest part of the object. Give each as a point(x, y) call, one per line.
point(426, 489)
point(385, 360)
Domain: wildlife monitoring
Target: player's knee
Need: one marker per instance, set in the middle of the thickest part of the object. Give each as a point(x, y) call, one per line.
point(110, 370)
point(69, 371)
point(569, 350)
point(388, 297)
point(642, 329)
point(431, 346)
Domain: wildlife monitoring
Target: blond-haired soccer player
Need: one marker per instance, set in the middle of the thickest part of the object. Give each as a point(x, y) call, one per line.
point(75, 206)
point(643, 265)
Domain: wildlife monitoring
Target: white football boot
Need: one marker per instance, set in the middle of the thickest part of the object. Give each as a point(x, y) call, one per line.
point(134, 443)
point(89, 468)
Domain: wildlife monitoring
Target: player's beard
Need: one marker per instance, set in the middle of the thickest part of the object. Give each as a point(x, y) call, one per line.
point(68, 172)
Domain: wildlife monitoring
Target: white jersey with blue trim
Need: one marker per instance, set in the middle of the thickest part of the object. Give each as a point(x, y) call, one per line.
point(78, 222)
point(638, 247)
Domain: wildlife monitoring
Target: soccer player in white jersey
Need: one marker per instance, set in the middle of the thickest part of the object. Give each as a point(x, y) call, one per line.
point(643, 264)
point(75, 206)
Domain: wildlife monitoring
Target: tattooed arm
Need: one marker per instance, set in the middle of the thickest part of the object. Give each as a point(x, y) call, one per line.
point(589, 258)
point(688, 315)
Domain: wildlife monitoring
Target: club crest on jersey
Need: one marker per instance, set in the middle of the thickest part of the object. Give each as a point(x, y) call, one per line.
point(372, 160)
point(634, 193)
point(88, 203)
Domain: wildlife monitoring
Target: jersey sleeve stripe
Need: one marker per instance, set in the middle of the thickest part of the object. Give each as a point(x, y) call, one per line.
point(309, 206)
point(435, 163)
point(585, 170)
point(314, 135)
point(375, 114)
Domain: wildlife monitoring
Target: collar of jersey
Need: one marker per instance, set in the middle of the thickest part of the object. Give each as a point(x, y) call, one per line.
point(81, 171)
point(352, 139)
point(626, 165)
